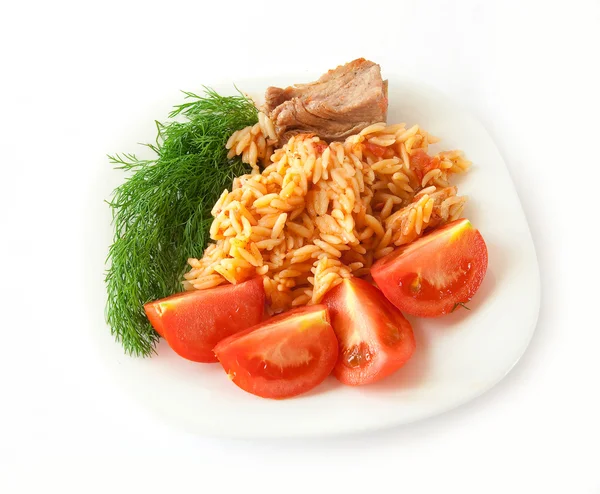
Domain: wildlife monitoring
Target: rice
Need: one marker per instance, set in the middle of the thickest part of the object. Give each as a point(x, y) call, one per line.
point(318, 213)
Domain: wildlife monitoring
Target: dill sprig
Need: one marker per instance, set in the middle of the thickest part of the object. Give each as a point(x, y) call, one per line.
point(161, 213)
point(459, 304)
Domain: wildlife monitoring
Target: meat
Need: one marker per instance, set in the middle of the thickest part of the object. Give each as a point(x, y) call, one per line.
point(342, 102)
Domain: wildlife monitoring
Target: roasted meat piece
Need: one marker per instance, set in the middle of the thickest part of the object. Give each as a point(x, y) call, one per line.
point(342, 102)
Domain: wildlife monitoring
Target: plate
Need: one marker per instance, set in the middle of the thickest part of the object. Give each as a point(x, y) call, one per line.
point(458, 357)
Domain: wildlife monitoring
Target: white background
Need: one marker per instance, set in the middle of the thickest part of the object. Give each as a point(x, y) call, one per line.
point(77, 75)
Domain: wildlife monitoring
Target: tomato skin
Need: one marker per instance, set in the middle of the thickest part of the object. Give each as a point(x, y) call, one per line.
point(428, 277)
point(374, 337)
point(284, 356)
point(194, 322)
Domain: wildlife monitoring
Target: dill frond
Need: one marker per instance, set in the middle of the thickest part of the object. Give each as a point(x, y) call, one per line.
point(161, 213)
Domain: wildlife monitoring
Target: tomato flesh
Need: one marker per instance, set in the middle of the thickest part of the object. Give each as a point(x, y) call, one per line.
point(377, 150)
point(284, 356)
point(153, 313)
point(375, 339)
point(422, 163)
point(430, 276)
point(194, 322)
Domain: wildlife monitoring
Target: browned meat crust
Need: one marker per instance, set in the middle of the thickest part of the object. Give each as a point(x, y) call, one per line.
point(340, 103)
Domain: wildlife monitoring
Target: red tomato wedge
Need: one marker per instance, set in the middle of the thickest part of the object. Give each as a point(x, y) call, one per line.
point(194, 322)
point(285, 356)
point(374, 337)
point(430, 276)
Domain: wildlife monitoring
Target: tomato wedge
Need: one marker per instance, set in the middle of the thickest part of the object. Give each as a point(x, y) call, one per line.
point(285, 356)
point(194, 322)
point(430, 276)
point(374, 337)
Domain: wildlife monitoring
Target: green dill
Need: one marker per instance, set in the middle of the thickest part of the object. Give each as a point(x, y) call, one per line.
point(161, 213)
point(461, 304)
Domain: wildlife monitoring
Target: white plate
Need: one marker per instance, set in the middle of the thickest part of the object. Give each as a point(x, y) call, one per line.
point(458, 357)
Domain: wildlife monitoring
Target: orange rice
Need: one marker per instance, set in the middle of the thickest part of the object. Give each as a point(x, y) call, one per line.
point(318, 213)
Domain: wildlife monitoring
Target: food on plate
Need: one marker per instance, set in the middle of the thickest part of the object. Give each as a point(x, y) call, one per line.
point(194, 322)
point(161, 213)
point(374, 337)
point(284, 356)
point(435, 273)
point(339, 104)
point(278, 209)
point(322, 212)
